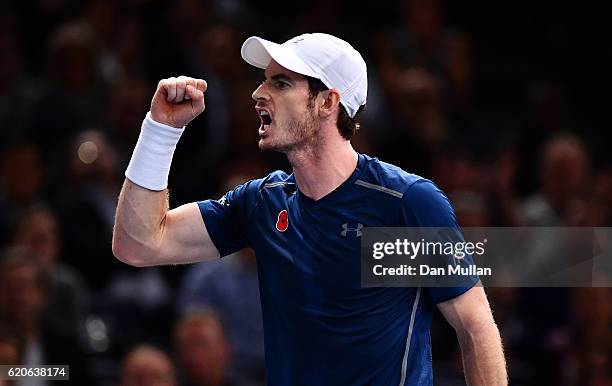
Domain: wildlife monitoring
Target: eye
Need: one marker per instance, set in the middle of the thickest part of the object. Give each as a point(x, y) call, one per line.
point(279, 84)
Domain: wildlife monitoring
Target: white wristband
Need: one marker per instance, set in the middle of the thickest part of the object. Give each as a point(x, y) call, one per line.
point(152, 156)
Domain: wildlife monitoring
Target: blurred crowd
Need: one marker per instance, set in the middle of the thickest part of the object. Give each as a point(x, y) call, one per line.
point(502, 105)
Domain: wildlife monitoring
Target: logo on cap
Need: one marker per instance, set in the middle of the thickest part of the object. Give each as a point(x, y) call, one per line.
point(282, 223)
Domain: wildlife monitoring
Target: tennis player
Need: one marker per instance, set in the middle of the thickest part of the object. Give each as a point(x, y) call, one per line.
point(321, 327)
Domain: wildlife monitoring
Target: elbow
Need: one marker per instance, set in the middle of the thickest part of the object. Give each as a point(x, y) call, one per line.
point(123, 254)
point(129, 254)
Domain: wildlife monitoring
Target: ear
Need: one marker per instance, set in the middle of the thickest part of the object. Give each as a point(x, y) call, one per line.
point(330, 102)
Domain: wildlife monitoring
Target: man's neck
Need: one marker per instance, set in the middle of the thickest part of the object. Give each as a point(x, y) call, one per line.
point(319, 172)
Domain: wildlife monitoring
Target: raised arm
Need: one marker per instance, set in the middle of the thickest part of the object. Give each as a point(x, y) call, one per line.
point(146, 232)
point(479, 339)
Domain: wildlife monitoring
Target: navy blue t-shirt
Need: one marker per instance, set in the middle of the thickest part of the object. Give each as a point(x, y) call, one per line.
point(320, 326)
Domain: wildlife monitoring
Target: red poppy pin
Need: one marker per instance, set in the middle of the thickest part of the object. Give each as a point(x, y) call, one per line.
point(282, 223)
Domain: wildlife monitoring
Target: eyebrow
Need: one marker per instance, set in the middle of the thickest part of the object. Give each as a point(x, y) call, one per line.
point(282, 77)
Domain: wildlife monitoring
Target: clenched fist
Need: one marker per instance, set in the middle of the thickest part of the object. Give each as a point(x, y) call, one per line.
point(177, 101)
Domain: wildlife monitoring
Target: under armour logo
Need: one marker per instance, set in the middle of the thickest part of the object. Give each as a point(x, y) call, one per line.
point(296, 40)
point(345, 229)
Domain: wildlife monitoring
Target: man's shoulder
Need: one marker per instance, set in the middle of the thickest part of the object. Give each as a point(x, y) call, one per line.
point(389, 176)
point(275, 178)
point(277, 181)
point(251, 192)
point(424, 204)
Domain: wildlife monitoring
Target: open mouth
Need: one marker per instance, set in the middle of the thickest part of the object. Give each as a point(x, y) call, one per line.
point(265, 117)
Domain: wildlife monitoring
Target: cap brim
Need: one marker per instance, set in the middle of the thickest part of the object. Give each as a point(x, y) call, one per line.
point(259, 52)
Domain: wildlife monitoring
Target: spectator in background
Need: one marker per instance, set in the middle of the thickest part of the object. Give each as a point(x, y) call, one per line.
point(68, 298)
point(548, 114)
point(23, 299)
point(120, 38)
point(202, 351)
point(12, 344)
point(480, 188)
point(470, 208)
point(594, 206)
point(147, 366)
point(563, 178)
point(564, 172)
point(22, 174)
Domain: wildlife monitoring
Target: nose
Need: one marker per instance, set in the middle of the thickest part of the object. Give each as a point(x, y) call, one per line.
point(260, 93)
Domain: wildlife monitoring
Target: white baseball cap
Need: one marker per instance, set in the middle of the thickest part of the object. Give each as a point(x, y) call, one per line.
point(325, 57)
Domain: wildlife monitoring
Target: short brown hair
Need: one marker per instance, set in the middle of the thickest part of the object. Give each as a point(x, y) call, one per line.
point(347, 126)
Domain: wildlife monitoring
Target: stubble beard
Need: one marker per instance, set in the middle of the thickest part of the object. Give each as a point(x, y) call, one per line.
point(295, 135)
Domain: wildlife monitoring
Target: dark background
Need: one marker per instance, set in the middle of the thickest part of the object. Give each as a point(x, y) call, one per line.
point(506, 106)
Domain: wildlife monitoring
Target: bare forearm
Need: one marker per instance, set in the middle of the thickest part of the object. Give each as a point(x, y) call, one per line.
point(146, 232)
point(138, 223)
point(483, 357)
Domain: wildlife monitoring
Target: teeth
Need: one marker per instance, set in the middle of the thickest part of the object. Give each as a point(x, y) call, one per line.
point(263, 112)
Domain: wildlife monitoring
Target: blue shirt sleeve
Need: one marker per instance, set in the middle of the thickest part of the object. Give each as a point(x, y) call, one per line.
point(425, 206)
point(226, 219)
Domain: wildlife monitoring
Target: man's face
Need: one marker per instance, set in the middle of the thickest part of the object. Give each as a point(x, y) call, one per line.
point(202, 350)
point(21, 294)
point(288, 117)
point(147, 367)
